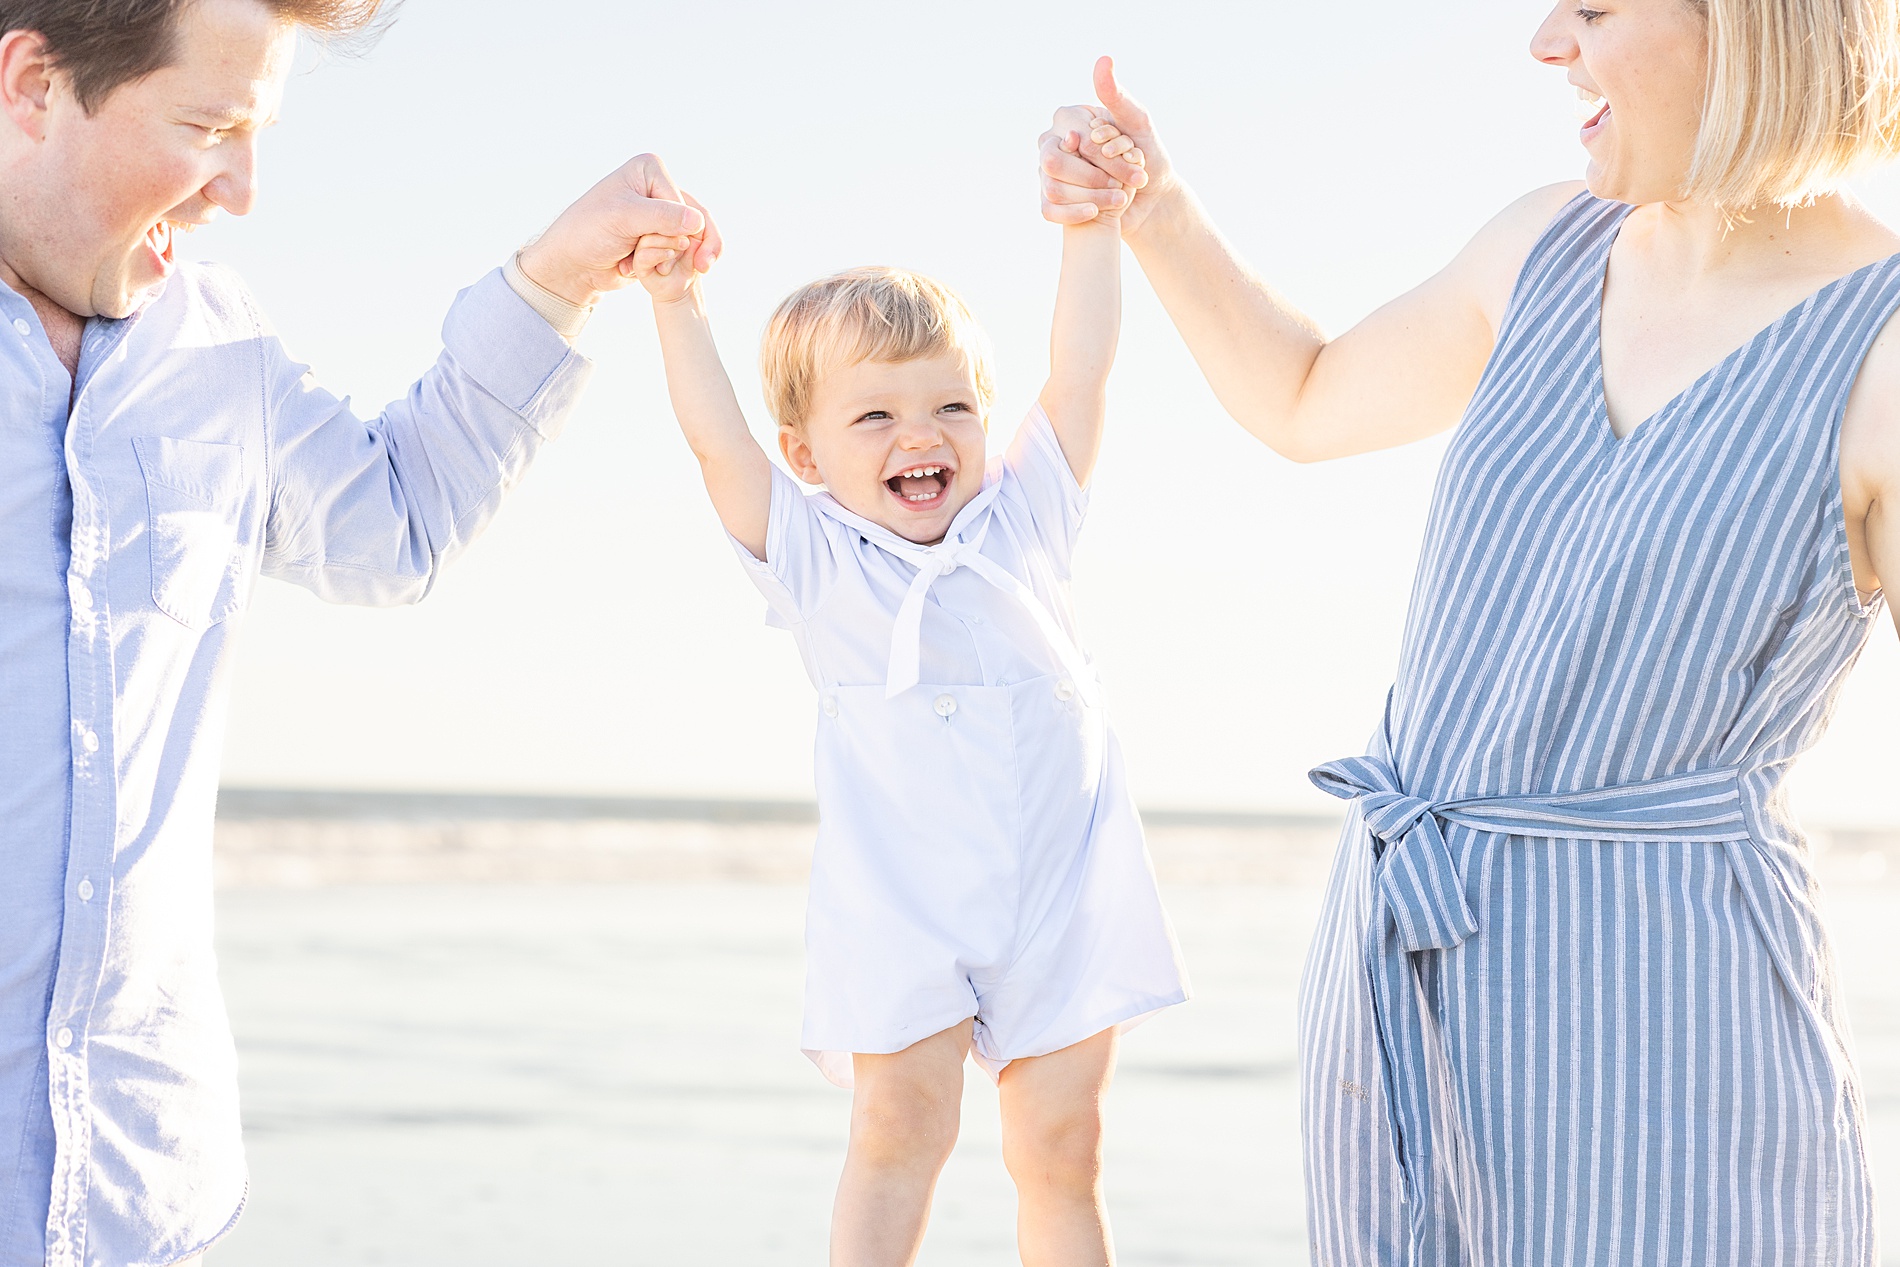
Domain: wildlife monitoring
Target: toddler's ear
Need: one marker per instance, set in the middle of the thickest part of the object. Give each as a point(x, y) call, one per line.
point(798, 455)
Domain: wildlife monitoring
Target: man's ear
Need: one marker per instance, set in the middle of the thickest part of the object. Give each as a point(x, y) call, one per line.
point(798, 455)
point(26, 81)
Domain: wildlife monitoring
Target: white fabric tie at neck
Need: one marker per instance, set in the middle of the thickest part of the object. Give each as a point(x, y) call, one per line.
point(960, 549)
point(940, 560)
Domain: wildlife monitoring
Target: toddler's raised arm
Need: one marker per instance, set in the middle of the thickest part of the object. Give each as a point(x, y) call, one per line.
point(1086, 326)
point(738, 475)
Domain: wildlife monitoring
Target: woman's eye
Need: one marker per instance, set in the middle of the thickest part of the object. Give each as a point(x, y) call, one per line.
point(1589, 15)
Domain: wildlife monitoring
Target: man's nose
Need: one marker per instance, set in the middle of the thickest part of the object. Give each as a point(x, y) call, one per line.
point(235, 188)
point(1555, 44)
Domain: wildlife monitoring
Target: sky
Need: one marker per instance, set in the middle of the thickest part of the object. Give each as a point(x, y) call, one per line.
point(601, 637)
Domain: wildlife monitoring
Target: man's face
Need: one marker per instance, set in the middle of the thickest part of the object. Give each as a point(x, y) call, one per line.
point(170, 150)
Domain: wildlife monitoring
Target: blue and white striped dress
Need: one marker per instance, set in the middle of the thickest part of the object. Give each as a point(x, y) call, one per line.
point(1571, 1000)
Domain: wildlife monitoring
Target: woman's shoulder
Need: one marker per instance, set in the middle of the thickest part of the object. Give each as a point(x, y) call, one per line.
point(1494, 259)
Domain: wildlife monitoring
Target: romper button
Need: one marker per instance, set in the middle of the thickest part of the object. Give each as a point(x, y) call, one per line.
point(1065, 690)
point(63, 1039)
point(831, 705)
point(946, 705)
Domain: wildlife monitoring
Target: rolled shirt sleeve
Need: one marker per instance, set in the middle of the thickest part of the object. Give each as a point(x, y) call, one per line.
point(366, 511)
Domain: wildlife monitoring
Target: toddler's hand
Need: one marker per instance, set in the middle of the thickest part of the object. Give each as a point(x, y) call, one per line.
point(1082, 178)
point(664, 265)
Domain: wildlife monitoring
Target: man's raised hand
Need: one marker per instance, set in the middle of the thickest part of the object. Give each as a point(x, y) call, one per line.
point(591, 249)
point(1082, 176)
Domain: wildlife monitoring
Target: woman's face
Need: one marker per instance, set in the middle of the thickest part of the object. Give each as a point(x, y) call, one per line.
point(1640, 67)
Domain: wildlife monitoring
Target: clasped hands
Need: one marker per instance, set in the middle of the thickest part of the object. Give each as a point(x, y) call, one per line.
point(1098, 162)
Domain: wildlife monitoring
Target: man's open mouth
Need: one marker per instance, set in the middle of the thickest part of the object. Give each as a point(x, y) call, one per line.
point(159, 239)
point(920, 487)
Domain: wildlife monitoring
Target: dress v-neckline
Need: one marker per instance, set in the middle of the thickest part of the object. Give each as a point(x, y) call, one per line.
point(1601, 415)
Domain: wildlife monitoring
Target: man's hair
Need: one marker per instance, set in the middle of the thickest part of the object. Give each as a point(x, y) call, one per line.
point(864, 314)
point(1801, 94)
point(100, 45)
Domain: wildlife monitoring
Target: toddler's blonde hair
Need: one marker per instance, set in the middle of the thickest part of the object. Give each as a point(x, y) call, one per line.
point(864, 314)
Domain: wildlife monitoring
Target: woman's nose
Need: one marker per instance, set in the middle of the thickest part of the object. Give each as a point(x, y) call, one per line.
point(1555, 44)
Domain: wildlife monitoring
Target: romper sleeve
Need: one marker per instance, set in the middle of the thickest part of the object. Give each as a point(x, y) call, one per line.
point(1045, 484)
point(800, 560)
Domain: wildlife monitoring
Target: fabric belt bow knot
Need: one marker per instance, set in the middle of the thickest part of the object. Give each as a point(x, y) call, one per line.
point(1419, 899)
point(962, 547)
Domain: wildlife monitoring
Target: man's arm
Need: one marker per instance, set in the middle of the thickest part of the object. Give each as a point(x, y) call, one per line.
point(1404, 373)
point(367, 511)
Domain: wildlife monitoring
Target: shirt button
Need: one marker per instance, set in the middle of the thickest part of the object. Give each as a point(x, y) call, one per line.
point(63, 1039)
point(831, 706)
point(1065, 690)
point(946, 705)
point(89, 740)
point(82, 597)
point(19, 323)
point(85, 890)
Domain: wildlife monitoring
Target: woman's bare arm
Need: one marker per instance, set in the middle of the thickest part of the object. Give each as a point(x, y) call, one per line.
point(1404, 373)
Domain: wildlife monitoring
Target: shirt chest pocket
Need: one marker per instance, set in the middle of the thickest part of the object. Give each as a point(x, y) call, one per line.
point(195, 494)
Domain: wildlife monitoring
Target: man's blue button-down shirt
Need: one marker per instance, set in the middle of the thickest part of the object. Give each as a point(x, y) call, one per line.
point(135, 515)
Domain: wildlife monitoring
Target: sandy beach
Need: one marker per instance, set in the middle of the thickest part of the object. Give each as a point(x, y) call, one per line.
point(482, 1036)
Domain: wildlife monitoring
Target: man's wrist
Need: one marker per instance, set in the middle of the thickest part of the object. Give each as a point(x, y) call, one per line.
point(534, 268)
point(567, 317)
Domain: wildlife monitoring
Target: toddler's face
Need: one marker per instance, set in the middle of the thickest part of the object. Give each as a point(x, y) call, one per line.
point(900, 443)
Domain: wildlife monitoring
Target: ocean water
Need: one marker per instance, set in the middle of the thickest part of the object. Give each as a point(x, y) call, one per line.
point(606, 1071)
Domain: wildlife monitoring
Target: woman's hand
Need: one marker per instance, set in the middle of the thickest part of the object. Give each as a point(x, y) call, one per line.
point(1095, 158)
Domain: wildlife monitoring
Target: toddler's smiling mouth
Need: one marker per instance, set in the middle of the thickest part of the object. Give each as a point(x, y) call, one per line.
point(920, 487)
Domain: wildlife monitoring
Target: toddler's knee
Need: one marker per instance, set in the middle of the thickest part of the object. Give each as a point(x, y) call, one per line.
point(1059, 1153)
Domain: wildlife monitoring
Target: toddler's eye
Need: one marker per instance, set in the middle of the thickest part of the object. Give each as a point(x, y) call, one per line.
point(955, 407)
point(876, 415)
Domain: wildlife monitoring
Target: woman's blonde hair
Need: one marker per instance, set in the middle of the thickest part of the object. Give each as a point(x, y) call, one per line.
point(864, 314)
point(1801, 93)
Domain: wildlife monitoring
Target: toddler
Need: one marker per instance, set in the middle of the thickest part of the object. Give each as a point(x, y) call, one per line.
point(980, 885)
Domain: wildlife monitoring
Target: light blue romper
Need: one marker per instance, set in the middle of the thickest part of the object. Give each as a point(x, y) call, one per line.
point(1571, 1000)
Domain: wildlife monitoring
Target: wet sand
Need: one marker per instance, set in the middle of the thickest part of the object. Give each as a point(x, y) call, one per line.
point(606, 1070)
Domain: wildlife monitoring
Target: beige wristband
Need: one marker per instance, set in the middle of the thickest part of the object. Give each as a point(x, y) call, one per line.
point(567, 317)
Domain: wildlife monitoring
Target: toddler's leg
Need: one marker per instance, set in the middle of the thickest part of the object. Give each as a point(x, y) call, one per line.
point(903, 1125)
point(1052, 1143)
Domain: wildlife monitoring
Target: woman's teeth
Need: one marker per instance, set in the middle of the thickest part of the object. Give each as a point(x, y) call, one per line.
point(1590, 106)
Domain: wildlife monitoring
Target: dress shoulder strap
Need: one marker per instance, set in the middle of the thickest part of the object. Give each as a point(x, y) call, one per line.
point(1565, 265)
